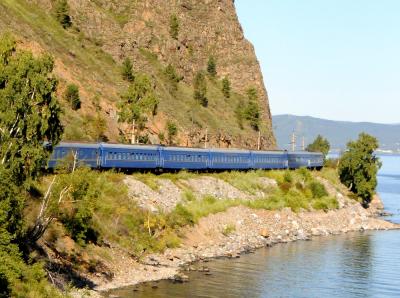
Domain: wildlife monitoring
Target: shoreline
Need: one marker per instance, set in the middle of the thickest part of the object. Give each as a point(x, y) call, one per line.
point(205, 241)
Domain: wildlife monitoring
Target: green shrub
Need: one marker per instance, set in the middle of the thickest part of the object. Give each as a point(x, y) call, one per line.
point(188, 196)
point(318, 189)
point(71, 95)
point(180, 217)
point(200, 89)
point(172, 130)
point(127, 70)
point(61, 11)
point(226, 87)
point(287, 177)
point(174, 26)
point(172, 76)
point(325, 203)
point(252, 111)
point(228, 229)
point(212, 66)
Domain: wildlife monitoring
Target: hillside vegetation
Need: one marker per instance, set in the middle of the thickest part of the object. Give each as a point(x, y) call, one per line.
point(171, 42)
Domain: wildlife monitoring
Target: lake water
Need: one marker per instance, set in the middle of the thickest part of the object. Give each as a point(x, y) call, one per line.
point(351, 265)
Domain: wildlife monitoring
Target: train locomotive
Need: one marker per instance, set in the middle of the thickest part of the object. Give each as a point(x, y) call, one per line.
point(157, 157)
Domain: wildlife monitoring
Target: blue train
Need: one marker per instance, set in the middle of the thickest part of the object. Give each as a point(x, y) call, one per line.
point(153, 157)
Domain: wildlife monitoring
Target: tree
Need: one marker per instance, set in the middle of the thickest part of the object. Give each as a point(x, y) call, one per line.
point(29, 111)
point(62, 13)
point(174, 26)
point(358, 167)
point(138, 102)
point(200, 89)
point(212, 66)
point(172, 130)
point(252, 110)
point(71, 95)
point(226, 87)
point(172, 76)
point(127, 70)
point(320, 144)
point(29, 115)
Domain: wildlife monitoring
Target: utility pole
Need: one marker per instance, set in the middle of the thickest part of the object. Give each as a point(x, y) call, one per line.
point(133, 140)
point(259, 141)
point(293, 142)
point(303, 145)
point(206, 139)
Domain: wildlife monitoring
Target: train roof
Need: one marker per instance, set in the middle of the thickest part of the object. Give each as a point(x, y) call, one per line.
point(269, 152)
point(303, 153)
point(76, 145)
point(125, 146)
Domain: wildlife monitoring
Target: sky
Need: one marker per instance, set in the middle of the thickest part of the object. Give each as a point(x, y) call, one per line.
point(333, 59)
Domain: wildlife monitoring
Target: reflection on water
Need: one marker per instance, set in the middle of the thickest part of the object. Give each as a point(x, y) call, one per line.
point(352, 265)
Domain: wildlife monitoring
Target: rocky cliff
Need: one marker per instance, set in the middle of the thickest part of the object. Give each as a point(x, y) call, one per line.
point(106, 32)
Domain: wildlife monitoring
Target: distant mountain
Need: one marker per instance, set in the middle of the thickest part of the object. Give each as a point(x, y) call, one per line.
point(337, 132)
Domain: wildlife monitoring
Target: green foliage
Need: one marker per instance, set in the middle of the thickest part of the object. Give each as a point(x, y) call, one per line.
point(320, 144)
point(17, 278)
point(138, 102)
point(228, 229)
point(172, 130)
point(76, 208)
point(29, 111)
point(212, 66)
point(252, 111)
point(318, 190)
point(71, 95)
point(61, 11)
point(358, 167)
point(239, 113)
point(200, 89)
point(226, 87)
point(95, 127)
point(127, 70)
point(29, 115)
point(172, 76)
point(174, 26)
point(245, 181)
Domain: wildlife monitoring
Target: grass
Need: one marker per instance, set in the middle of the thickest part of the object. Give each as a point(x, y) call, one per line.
point(228, 229)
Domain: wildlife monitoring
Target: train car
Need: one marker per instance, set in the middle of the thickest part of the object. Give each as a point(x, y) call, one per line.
point(130, 156)
point(311, 160)
point(229, 159)
point(176, 158)
point(269, 159)
point(85, 154)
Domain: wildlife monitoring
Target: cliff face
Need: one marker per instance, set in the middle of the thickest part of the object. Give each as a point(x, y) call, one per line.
point(110, 31)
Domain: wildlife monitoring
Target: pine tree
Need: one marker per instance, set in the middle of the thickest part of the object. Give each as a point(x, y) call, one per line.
point(252, 111)
point(172, 130)
point(127, 70)
point(172, 76)
point(212, 66)
point(200, 89)
point(71, 95)
point(62, 13)
point(174, 26)
point(226, 87)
